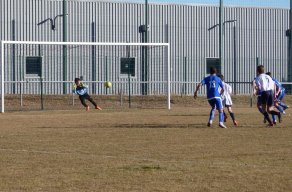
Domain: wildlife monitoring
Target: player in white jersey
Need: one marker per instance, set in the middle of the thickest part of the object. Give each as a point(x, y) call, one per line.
point(227, 101)
point(266, 86)
point(257, 93)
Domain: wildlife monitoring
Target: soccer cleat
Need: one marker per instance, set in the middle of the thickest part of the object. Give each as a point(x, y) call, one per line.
point(98, 108)
point(222, 125)
point(225, 118)
point(209, 124)
point(270, 125)
point(274, 122)
point(235, 123)
point(280, 118)
point(87, 108)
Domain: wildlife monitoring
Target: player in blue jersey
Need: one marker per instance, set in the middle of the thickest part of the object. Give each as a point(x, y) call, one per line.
point(280, 93)
point(213, 82)
point(80, 89)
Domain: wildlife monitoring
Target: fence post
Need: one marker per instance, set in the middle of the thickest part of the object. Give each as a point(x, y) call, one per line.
point(42, 99)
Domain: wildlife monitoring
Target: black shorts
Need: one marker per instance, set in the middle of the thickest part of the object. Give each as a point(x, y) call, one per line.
point(267, 98)
point(259, 100)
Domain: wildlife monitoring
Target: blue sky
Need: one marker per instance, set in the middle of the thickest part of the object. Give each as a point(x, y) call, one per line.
point(253, 3)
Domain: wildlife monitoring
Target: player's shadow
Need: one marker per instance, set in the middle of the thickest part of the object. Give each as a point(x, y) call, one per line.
point(161, 126)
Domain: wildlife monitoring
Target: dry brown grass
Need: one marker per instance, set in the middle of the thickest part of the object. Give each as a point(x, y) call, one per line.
point(143, 150)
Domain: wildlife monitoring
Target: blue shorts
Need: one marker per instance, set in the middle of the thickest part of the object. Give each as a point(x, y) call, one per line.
point(281, 95)
point(216, 103)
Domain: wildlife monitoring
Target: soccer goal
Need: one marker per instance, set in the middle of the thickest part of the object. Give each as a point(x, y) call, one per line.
point(40, 75)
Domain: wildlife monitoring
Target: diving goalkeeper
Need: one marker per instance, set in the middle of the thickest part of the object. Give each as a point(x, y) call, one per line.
point(80, 89)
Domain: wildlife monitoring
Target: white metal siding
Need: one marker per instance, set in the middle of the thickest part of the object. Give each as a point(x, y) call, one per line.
point(260, 33)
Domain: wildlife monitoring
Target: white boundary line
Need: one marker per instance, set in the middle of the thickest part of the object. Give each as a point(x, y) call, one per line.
point(73, 153)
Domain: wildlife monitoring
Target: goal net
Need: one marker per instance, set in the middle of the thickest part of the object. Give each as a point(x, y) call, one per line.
point(40, 75)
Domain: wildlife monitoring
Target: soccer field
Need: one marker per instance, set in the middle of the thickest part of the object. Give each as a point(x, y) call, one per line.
point(143, 150)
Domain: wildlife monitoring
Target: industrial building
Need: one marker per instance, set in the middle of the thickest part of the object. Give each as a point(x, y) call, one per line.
point(251, 36)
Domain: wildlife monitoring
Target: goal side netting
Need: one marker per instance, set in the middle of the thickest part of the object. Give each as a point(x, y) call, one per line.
point(40, 75)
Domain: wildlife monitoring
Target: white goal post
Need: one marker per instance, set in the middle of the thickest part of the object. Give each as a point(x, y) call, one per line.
point(165, 60)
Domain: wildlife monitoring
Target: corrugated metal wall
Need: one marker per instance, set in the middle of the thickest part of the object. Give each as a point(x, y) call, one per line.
point(260, 32)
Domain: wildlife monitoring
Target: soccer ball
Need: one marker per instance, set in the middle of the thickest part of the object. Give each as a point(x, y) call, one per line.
point(108, 84)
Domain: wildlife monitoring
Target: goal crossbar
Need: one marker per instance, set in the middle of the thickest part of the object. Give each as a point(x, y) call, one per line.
point(82, 43)
point(167, 45)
